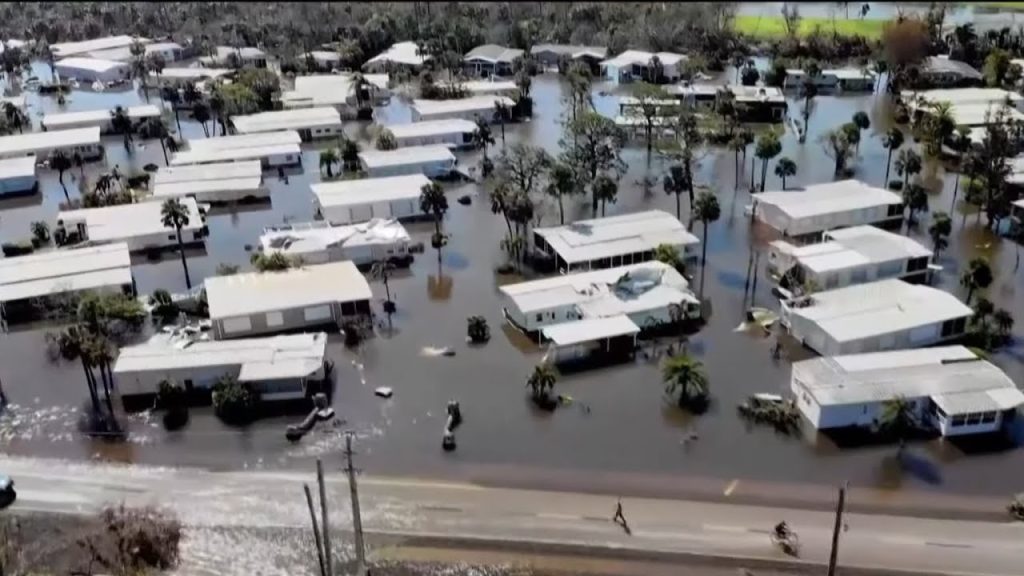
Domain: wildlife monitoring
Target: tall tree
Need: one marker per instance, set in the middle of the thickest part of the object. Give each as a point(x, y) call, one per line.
point(892, 141)
point(328, 158)
point(908, 163)
point(60, 162)
point(939, 231)
point(915, 198)
point(541, 382)
point(706, 210)
point(121, 123)
point(153, 128)
point(768, 147)
point(434, 202)
point(648, 109)
point(606, 189)
point(676, 182)
point(171, 96)
point(785, 168)
point(174, 214)
point(483, 136)
point(138, 52)
point(899, 418)
point(978, 275)
point(862, 122)
point(592, 145)
point(561, 183)
point(837, 146)
point(812, 71)
point(201, 114)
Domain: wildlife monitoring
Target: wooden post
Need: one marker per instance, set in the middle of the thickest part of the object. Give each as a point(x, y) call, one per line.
point(324, 521)
point(316, 531)
point(835, 530)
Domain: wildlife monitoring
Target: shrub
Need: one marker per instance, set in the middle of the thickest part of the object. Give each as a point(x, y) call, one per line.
point(273, 262)
point(163, 307)
point(896, 185)
point(353, 334)
point(477, 329)
point(234, 402)
point(135, 540)
point(172, 398)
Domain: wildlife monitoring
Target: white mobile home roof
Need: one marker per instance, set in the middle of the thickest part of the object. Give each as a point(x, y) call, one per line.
point(205, 178)
point(982, 114)
point(964, 95)
point(404, 156)
point(192, 73)
point(478, 104)
point(289, 356)
point(66, 120)
point(21, 167)
point(878, 308)
point(369, 190)
point(241, 147)
point(588, 240)
point(828, 198)
point(857, 246)
point(299, 239)
point(256, 292)
point(58, 271)
point(432, 128)
point(124, 53)
point(64, 49)
point(92, 64)
point(477, 87)
point(630, 57)
point(605, 293)
point(407, 53)
point(297, 119)
point(590, 329)
point(953, 376)
point(33, 142)
point(115, 223)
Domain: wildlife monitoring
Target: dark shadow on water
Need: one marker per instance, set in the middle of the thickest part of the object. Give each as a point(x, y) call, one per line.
point(731, 280)
point(993, 443)
point(454, 260)
point(920, 468)
point(854, 437)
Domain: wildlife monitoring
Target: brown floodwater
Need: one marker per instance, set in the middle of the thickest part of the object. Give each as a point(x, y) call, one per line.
point(629, 426)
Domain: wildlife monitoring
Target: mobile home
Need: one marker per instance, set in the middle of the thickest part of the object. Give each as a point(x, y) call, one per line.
point(101, 118)
point(808, 212)
point(883, 315)
point(317, 242)
point(213, 183)
point(948, 388)
point(353, 201)
point(92, 69)
point(613, 241)
point(465, 108)
point(456, 133)
point(139, 225)
point(82, 141)
point(272, 149)
point(17, 176)
point(253, 303)
point(431, 161)
point(310, 123)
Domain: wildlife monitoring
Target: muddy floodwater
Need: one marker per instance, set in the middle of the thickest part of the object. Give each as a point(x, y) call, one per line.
point(620, 422)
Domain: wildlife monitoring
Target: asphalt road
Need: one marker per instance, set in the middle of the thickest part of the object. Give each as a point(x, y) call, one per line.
point(424, 512)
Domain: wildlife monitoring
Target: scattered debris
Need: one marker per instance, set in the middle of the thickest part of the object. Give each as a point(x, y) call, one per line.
point(465, 200)
point(453, 422)
point(321, 412)
point(433, 351)
point(771, 409)
point(755, 316)
point(384, 392)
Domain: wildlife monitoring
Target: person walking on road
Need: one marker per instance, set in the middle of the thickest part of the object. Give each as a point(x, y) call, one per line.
point(619, 518)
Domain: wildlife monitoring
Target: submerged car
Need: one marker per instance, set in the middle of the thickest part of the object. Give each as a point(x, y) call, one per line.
point(7, 493)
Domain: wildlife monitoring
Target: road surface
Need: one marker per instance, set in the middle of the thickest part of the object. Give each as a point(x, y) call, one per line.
point(424, 512)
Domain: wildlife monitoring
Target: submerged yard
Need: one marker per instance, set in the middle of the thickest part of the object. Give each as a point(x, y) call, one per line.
point(619, 423)
point(774, 28)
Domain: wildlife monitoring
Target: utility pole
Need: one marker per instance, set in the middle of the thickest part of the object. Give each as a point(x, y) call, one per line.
point(325, 524)
point(357, 521)
point(835, 530)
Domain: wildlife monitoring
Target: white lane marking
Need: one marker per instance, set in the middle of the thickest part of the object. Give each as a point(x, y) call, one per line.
point(721, 528)
point(555, 516)
point(418, 484)
point(50, 497)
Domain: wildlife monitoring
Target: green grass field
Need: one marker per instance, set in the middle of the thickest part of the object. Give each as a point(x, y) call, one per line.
point(1007, 5)
point(774, 26)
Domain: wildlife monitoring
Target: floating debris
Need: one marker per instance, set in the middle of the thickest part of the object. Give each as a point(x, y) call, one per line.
point(431, 351)
point(384, 392)
point(773, 410)
point(761, 317)
point(464, 200)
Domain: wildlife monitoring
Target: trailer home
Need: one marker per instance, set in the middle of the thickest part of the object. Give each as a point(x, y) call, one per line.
point(138, 225)
point(352, 201)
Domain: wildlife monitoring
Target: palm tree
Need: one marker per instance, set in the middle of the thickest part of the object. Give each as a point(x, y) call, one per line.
point(154, 128)
point(961, 144)
point(122, 124)
point(738, 144)
point(977, 276)
point(892, 140)
point(707, 210)
point(386, 140)
point(175, 215)
point(541, 383)
point(862, 122)
point(561, 183)
point(138, 52)
point(768, 147)
point(605, 190)
point(15, 117)
point(328, 158)
point(434, 202)
point(483, 136)
point(1003, 321)
point(676, 182)
point(939, 231)
point(501, 112)
point(939, 124)
point(350, 154)
point(59, 161)
point(907, 164)
point(915, 197)
point(170, 95)
point(202, 115)
point(784, 168)
point(685, 378)
point(477, 329)
point(899, 418)
point(72, 344)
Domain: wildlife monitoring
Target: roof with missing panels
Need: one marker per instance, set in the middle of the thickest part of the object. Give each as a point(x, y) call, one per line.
point(877, 308)
point(407, 53)
point(260, 292)
point(941, 65)
point(953, 376)
point(856, 246)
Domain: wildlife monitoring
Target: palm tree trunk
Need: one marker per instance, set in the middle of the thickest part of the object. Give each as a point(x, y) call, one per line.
point(163, 147)
point(561, 210)
point(888, 164)
point(703, 259)
point(783, 182)
point(764, 172)
point(91, 383)
point(736, 165)
point(956, 188)
point(206, 132)
point(60, 177)
point(184, 262)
